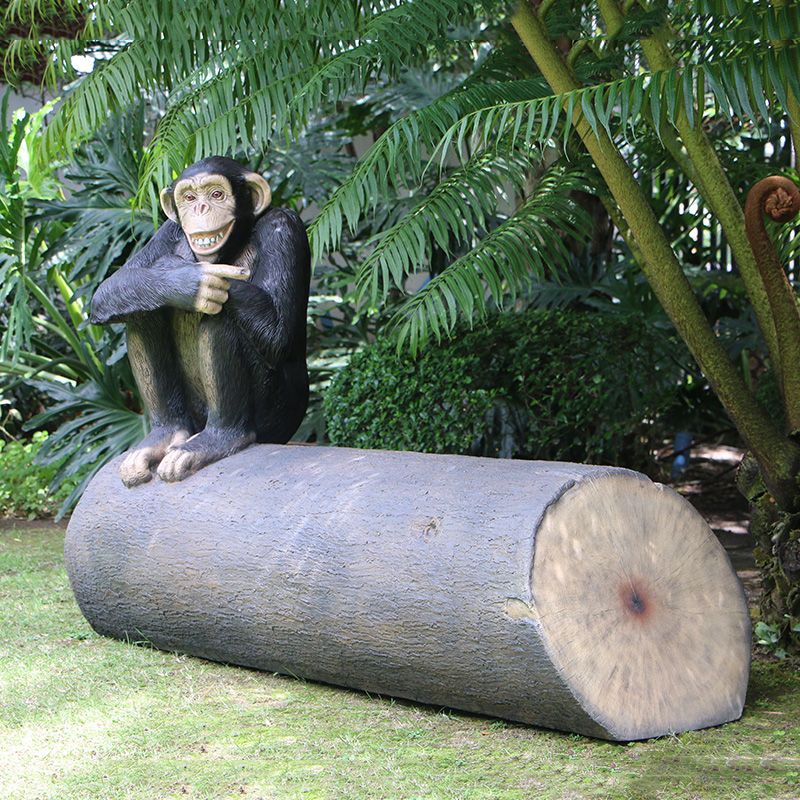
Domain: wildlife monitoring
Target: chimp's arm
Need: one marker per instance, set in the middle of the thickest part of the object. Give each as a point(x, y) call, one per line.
point(270, 309)
point(153, 278)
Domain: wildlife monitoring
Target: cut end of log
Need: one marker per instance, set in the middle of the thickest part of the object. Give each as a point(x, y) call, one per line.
point(640, 609)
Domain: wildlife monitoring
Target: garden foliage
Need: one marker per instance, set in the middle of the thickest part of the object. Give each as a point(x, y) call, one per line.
point(25, 488)
point(458, 185)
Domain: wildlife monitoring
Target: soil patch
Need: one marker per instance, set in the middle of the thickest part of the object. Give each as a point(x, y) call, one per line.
point(709, 484)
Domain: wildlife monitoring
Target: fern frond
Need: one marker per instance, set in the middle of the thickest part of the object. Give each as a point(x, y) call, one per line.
point(164, 45)
point(112, 84)
point(396, 158)
point(617, 106)
point(37, 38)
point(528, 245)
point(721, 12)
point(395, 39)
point(30, 12)
point(449, 216)
point(225, 22)
point(246, 103)
point(228, 65)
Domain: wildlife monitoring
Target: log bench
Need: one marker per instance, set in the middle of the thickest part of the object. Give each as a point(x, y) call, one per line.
point(586, 599)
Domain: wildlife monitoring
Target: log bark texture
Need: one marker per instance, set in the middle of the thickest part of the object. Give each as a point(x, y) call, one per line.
point(586, 599)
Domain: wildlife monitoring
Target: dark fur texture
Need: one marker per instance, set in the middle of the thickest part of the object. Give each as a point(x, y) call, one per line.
point(250, 376)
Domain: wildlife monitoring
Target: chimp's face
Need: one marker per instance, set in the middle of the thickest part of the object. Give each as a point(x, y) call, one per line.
point(207, 204)
point(206, 207)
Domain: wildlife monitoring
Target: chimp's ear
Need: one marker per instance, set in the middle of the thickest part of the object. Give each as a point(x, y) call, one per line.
point(168, 203)
point(259, 191)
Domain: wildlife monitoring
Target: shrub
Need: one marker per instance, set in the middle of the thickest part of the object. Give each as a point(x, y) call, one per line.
point(549, 385)
point(434, 404)
point(24, 488)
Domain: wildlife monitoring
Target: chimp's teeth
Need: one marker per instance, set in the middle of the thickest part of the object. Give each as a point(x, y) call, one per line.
point(206, 241)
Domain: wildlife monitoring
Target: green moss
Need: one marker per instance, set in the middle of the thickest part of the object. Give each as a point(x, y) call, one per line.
point(88, 718)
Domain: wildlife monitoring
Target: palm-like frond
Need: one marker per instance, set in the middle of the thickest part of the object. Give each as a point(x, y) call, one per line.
point(740, 76)
point(291, 59)
point(527, 245)
point(616, 107)
point(245, 66)
point(242, 104)
point(396, 159)
point(394, 39)
point(37, 39)
point(449, 216)
point(101, 226)
point(739, 19)
point(333, 46)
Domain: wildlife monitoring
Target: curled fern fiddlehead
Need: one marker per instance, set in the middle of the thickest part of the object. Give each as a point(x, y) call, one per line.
point(778, 198)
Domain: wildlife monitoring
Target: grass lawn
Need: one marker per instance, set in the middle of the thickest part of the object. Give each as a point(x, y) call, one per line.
point(83, 717)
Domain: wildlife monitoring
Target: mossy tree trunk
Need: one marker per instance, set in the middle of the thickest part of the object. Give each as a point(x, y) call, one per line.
point(775, 450)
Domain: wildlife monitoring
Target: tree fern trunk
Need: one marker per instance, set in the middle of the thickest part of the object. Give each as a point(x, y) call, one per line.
point(777, 456)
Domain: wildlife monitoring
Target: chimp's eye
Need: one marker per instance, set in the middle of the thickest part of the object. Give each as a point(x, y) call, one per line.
point(217, 194)
point(189, 197)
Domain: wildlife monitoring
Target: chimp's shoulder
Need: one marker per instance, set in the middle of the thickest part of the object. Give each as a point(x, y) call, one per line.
point(277, 221)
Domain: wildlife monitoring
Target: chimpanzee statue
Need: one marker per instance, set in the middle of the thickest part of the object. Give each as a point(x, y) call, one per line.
point(215, 308)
